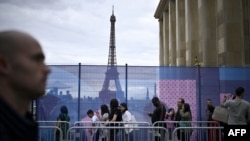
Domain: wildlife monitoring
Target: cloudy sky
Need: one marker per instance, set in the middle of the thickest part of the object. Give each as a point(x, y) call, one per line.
point(78, 31)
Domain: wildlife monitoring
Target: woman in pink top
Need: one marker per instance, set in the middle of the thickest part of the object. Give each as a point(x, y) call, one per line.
point(170, 116)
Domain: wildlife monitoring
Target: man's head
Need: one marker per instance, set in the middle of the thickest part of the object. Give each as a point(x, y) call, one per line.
point(209, 102)
point(180, 102)
point(23, 72)
point(90, 113)
point(156, 102)
point(239, 91)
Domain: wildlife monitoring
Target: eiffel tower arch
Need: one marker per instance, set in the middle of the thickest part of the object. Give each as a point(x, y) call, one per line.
point(111, 87)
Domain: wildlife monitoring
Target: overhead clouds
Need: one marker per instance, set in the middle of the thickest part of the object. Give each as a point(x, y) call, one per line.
point(78, 31)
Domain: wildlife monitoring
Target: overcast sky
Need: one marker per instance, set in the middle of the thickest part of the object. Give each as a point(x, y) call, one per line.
point(78, 31)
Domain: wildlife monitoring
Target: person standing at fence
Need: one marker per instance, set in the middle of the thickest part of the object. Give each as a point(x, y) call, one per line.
point(186, 118)
point(115, 116)
point(158, 115)
point(127, 118)
point(94, 119)
point(23, 76)
point(103, 117)
point(180, 104)
point(62, 122)
point(209, 110)
point(170, 116)
point(212, 133)
point(239, 109)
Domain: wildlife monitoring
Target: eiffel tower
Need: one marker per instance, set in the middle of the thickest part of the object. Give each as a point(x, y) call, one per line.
point(111, 87)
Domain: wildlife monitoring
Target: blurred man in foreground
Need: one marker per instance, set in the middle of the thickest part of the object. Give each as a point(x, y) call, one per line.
point(23, 76)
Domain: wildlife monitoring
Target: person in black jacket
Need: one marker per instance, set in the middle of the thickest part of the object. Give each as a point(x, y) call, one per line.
point(115, 116)
point(158, 115)
point(23, 76)
point(180, 104)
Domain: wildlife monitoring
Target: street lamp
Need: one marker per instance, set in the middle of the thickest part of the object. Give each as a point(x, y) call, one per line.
point(198, 64)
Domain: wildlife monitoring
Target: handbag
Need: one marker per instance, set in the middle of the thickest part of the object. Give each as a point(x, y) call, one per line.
point(220, 114)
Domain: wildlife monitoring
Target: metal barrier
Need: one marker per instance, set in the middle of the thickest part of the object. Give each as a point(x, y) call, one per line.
point(52, 123)
point(210, 130)
point(114, 133)
point(88, 123)
point(197, 134)
point(193, 123)
point(135, 131)
point(47, 134)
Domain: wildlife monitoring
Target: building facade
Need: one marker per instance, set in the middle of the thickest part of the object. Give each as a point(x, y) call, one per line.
point(217, 32)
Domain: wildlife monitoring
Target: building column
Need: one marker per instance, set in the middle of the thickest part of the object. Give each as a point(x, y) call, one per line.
point(191, 30)
point(172, 33)
point(230, 33)
point(161, 49)
point(180, 33)
point(207, 32)
point(246, 29)
point(166, 38)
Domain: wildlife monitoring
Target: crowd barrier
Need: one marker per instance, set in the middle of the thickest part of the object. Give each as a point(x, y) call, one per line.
point(109, 133)
point(47, 133)
point(136, 131)
point(194, 130)
point(88, 123)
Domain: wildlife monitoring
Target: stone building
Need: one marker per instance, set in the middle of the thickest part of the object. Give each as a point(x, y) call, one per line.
point(214, 31)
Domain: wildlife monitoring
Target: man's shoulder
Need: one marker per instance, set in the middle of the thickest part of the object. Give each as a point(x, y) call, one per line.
point(246, 103)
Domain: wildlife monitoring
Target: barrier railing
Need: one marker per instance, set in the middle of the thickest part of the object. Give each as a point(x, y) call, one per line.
point(193, 123)
point(197, 133)
point(47, 133)
point(114, 133)
point(88, 123)
point(53, 134)
point(209, 131)
point(135, 131)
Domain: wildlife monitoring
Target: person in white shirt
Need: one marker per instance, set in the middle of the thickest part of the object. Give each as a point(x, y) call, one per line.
point(126, 117)
point(94, 120)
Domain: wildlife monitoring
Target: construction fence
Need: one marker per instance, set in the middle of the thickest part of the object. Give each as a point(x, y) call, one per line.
point(83, 87)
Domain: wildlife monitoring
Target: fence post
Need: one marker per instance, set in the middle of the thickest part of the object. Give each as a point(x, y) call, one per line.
point(79, 91)
point(126, 83)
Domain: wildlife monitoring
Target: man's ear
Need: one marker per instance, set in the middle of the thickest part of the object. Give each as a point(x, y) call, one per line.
point(3, 65)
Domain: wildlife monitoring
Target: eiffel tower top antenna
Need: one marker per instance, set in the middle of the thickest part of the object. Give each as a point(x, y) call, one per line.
point(113, 10)
point(112, 48)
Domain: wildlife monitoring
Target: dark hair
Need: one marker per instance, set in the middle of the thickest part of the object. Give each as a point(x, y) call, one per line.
point(90, 111)
point(239, 91)
point(182, 100)
point(209, 100)
point(64, 109)
point(187, 109)
point(155, 99)
point(114, 104)
point(125, 106)
point(173, 116)
point(104, 109)
point(156, 102)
